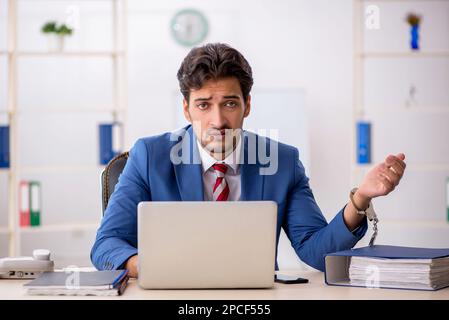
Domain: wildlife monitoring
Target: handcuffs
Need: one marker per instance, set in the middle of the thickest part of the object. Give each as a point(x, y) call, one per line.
point(369, 213)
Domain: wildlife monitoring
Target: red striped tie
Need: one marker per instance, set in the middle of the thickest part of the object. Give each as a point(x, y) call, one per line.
point(221, 189)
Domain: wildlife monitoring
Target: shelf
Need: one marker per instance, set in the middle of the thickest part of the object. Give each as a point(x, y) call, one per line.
point(410, 167)
point(51, 168)
point(53, 110)
point(60, 228)
point(80, 54)
point(62, 110)
point(116, 105)
point(70, 0)
point(416, 109)
point(404, 54)
point(416, 223)
point(394, 1)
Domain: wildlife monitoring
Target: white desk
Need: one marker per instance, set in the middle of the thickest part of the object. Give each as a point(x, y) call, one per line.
point(315, 289)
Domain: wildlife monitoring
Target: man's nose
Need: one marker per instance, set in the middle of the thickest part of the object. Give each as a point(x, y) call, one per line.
point(217, 118)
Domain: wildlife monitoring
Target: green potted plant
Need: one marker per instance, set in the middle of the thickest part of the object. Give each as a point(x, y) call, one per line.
point(63, 30)
point(49, 27)
point(56, 34)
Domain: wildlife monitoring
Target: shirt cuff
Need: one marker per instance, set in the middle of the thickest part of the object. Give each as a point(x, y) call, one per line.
point(118, 262)
point(360, 231)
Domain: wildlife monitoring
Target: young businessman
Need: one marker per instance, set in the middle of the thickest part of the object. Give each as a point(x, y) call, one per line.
point(216, 81)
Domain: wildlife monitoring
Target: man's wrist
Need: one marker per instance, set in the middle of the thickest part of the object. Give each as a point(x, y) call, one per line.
point(131, 265)
point(360, 201)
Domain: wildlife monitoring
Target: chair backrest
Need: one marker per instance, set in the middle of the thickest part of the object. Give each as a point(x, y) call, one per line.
point(110, 175)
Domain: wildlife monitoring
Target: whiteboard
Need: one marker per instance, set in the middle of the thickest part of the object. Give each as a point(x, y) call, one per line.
point(284, 111)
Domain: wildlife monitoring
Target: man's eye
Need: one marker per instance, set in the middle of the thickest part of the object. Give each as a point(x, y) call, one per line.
point(202, 106)
point(231, 104)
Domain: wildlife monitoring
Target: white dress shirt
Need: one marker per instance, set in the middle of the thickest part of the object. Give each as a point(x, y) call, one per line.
point(232, 175)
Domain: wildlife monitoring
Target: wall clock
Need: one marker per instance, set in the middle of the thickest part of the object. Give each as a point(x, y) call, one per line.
point(189, 27)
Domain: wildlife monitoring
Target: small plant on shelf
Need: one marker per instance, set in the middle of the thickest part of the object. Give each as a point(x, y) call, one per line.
point(49, 27)
point(414, 21)
point(63, 30)
point(56, 34)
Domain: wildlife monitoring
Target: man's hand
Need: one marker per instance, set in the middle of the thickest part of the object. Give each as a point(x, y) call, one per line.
point(380, 181)
point(383, 178)
point(131, 265)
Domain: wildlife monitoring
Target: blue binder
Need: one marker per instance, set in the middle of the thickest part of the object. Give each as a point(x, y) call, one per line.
point(337, 264)
point(363, 142)
point(110, 141)
point(4, 147)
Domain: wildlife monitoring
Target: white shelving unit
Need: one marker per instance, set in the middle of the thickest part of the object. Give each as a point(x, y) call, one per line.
point(61, 227)
point(360, 57)
point(86, 54)
point(404, 54)
point(14, 55)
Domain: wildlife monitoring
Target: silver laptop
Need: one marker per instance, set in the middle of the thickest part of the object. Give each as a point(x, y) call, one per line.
point(192, 245)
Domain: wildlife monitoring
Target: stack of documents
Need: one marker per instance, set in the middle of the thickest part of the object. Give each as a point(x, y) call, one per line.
point(389, 267)
point(425, 274)
point(74, 283)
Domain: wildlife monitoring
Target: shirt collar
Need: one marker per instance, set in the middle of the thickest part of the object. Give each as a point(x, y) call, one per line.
point(232, 160)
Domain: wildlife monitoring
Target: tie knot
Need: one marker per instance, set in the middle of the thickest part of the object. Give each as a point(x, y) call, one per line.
point(220, 169)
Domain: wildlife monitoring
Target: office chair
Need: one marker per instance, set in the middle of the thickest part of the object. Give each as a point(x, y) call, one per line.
point(110, 175)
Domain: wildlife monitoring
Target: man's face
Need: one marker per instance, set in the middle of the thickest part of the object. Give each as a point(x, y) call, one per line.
point(216, 112)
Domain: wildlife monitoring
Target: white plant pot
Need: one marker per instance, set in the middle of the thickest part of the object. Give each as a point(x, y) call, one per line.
point(55, 43)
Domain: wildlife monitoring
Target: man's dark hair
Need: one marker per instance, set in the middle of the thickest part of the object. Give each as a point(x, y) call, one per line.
point(214, 61)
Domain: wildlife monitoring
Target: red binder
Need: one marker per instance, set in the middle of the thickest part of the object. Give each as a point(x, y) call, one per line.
point(24, 203)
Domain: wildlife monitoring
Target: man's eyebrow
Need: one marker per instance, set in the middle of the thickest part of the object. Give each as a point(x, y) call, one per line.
point(232, 97)
point(203, 99)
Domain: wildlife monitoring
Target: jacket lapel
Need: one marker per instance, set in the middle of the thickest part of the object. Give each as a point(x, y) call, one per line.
point(251, 178)
point(189, 172)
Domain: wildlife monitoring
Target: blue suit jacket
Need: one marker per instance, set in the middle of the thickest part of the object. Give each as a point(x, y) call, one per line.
point(150, 175)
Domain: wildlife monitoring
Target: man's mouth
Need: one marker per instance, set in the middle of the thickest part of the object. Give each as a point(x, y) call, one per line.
point(221, 132)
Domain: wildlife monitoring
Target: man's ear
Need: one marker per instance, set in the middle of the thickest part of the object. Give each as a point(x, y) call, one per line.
point(185, 108)
point(247, 106)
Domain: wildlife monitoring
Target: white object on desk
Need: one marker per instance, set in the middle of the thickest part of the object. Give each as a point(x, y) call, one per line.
point(26, 267)
point(41, 254)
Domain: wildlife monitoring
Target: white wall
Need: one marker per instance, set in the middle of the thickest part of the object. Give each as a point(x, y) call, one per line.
point(300, 45)
point(291, 44)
